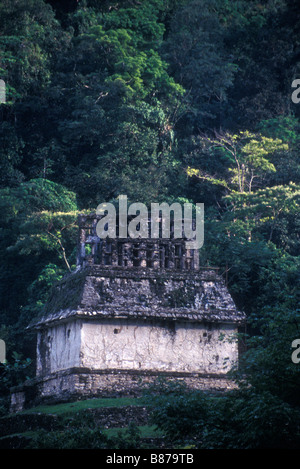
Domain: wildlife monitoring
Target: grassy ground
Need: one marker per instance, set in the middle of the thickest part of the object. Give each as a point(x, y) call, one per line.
point(145, 431)
point(74, 414)
point(72, 407)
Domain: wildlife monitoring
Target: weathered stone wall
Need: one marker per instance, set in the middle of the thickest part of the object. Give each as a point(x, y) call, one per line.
point(81, 383)
point(136, 344)
point(58, 347)
point(157, 346)
point(84, 383)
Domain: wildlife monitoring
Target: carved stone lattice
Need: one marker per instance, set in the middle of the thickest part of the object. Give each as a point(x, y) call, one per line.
point(159, 253)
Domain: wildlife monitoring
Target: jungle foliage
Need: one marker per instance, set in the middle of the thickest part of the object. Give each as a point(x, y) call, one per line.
point(184, 100)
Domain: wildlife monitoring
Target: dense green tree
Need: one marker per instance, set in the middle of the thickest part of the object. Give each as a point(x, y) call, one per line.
point(247, 157)
point(30, 35)
point(37, 230)
point(263, 40)
point(199, 62)
point(186, 100)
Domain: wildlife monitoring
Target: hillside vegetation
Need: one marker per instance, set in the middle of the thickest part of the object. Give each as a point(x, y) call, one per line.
point(164, 101)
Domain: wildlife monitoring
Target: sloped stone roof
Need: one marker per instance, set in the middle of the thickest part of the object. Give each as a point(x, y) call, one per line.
point(115, 292)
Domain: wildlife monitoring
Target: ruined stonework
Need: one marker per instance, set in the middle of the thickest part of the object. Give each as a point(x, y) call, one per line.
point(134, 310)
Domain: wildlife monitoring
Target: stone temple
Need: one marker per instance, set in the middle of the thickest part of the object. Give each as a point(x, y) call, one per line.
point(134, 310)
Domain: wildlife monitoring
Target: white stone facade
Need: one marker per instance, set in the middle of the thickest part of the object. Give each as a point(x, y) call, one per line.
point(124, 344)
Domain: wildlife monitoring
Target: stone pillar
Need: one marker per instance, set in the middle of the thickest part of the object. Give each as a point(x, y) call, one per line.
point(143, 253)
point(155, 255)
point(81, 246)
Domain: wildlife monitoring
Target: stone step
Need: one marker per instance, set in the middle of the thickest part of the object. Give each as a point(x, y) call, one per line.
point(104, 417)
point(13, 427)
point(20, 423)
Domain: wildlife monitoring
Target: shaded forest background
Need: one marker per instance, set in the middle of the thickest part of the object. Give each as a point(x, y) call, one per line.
point(183, 100)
